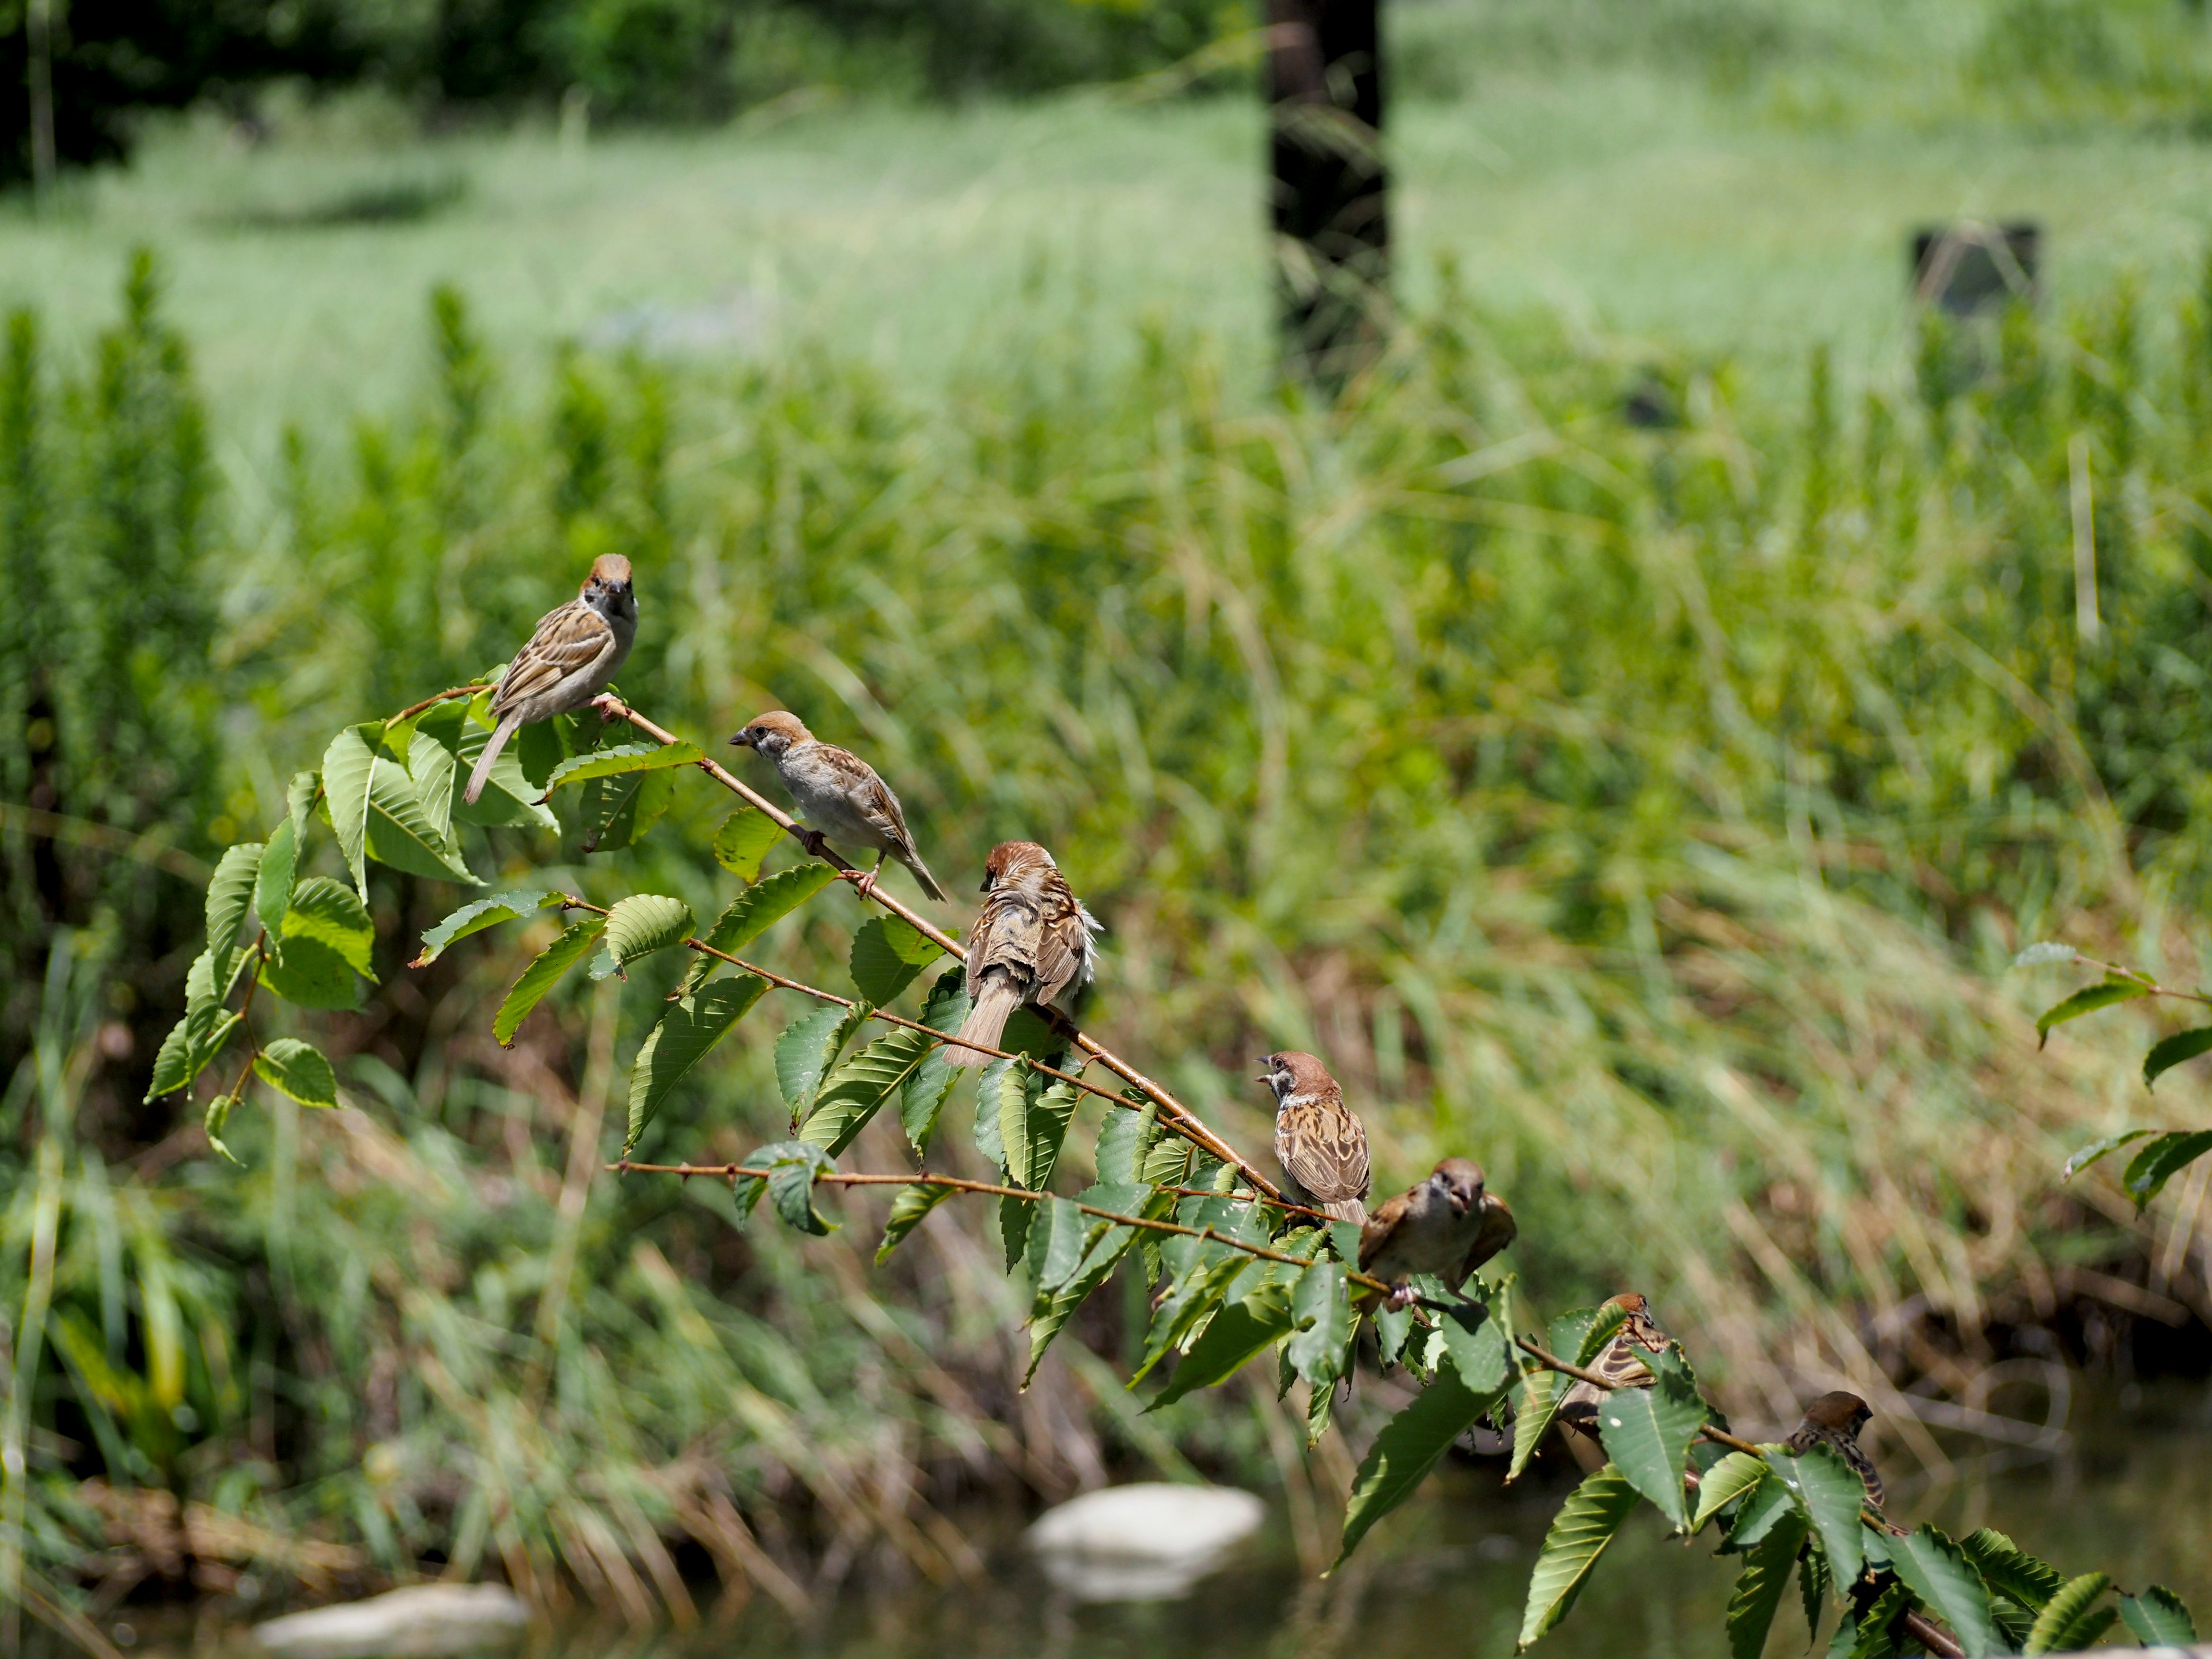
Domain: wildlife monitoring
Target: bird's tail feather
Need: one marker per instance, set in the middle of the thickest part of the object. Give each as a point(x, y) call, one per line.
point(995, 1000)
point(1347, 1209)
point(499, 736)
point(913, 861)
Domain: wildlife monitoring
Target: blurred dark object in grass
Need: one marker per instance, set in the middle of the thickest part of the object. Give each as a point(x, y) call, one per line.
point(1975, 269)
point(378, 201)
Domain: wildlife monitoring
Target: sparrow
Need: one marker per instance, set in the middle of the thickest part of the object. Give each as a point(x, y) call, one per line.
point(1835, 1419)
point(1448, 1225)
point(1032, 943)
point(572, 654)
point(839, 795)
point(1621, 1364)
point(1319, 1143)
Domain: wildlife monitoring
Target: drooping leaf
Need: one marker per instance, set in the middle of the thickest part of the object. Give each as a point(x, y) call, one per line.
point(744, 840)
point(1764, 1508)
point(191, 1047)
point(280, 860)
point(1761, 1588)
point(434, 766)
point(2097, 1149)
point(909, 1210)
point(2158, 1618)
point(807, 1049)
point(1647, 1433)
point(1722, 1484)
point(1540, 1395)
point(347, 764)
point(218, 1115)
point(925, 1092)
point(2071, 1620)
point(1206, 1274)
point(620, 760)
point(1831, 1496)
point(1939, 1574)
point(1321, 1323)
point(229, 891)
point(1124, 1138)
point(579, 937)
point(645, 922)
point(759, 907)
point(613, 813)
point(1167, 1162)
point(1585, 1524)
point(1236, 1334)
point(1874, 1634)
point(2170, 1052)
point(2106, 993)
point(332, 914)
point(479, 914)
point(540, 747)
point(689, 1028)
point(401, 833)
point(1058, 1234)
point(308, 974)
point(997, 1078)
point(889, 954)
point(2011, 1570)
point(1106, 1242)
point(1812, 1587)
point(1405, 1451)
point(1033, 1127)
point(1476, 1342)
point(1392, 1326)
point(857, 1089)
point(510, 796)
point(791, 1166)
point(298, 1069)
point(2160, 1159)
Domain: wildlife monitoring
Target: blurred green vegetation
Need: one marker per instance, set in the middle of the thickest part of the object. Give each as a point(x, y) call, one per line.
point(1648, 810)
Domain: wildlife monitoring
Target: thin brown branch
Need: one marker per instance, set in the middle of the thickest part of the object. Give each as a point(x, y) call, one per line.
point(1178, 1115)
point(2151, 986)
point(1552, 1362)
point(446, 696)
point(1931, 1636)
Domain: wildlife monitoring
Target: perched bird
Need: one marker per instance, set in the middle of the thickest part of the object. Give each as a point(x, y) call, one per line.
point(1448, 1225)
point(1835, 1419)
point(839, 794)
point(1621, 1364)
point(1031, 944)
point(1321, 1146)
point(571, 656)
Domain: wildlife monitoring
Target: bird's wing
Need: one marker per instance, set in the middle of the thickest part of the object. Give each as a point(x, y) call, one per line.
point(1498, 1229)
point(1622, 1365)
point(573, 637)
point(870, 795)
point(1379, 1227)
point(1008, 936)
point(1328, 1156)
point(1062, 940)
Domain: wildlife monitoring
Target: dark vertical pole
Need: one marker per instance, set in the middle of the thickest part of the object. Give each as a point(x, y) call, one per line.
point(1331, 218)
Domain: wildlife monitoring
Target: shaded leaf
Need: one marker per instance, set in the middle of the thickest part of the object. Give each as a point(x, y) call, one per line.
point(615, 812)
point(347, 764)
point(1476, 1343)
point(229, 891)
point(806, 1049)
point(2097, 1149)
point(1830, 1495)
point(1235, 1335)
point(1321, 1322)
point(909, 1210)
point(218, 1115)
point(1647, 1433)
point(479, 914)
point(744, 840)
point(2160, 1159)
point(1940, 1576)
point(925, 1092)
point(2011, 1570)
point(1585, 1524)
point(2170, 1052)
point(1722, 1484)
point(1107, 1243)
point(308, 974)
point(687, 1028)
point(510, 794)
point(2104, 994)
point(791, 1166)
point(332, 915)
point(2158, 1618)
point(2071, 1620)
point(1058, 1234)
point(889, 954)
point(580, 937)
point(621, 760)
point(759, 907)
point(1812, 1587)
point(1405, 1451)
point(1758, 1590)
point(298, 1069)
point(857, 1089)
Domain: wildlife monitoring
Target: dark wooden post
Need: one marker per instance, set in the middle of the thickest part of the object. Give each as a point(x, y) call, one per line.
point(1331, 218)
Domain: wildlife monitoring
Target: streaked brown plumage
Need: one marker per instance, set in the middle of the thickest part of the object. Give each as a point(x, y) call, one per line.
point(839, 794)
point(1621, 1364)
point(1448, 1225)
point(572, 653)
point(1319, 1144)
point(1032, 943)
point(1835, 1419)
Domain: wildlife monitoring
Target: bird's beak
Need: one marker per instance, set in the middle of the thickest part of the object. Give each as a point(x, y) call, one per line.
point(740, 742)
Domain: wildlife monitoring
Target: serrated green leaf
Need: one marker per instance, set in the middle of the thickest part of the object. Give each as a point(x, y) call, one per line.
point(1124, 1138)
point(2158, 1618)
point(621, 760)
point(510, 797)
point(1759, 1591)
point(477, 914)
point(1872, 1637)
point(1812, 1587)
point(1321, 1322)
point(2104, 994)
point(298, 1069)
point(1107, 1242)
point(688, 1027)
point(2160, 1159)
point(579, 937)
point(540, 747)
point(791, 1166)
point(1722, 1484)
point(272, 877)
point(332, 915)
point(1585, 1333)
point(1830, 1495)
point(926, 1092)
point(759, 907)
point(1540, 1393)
point(613, 813)
point(909, 1210)
point(645, 922)
point(1392, 1326)
point(1943, 1579)
point(1476, 1344)
point(857, 1089)
point(744, 840)
point(2072, 1620)
point(1763, 1509)
point(2011, 1570)
point(1647, 1433)
point(1197, 1294)
point(191, 1047)
point(347, 764)
point(401, 833)
point(1585, 1524)
point(889, 954)
point(2097, 1149)
point(1033, 1127)
point(229, 891)
point(308, 974)
point(808, 1046)
point(1235, 1335)
point(218, 1115)
point(2171, 1052)
point(1405, 1451)
point(1058, 1235)
point(1167, 1162)
point(432, 765)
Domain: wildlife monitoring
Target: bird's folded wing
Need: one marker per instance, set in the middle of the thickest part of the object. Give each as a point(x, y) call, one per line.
point(1498, 1230)
point(574, 637)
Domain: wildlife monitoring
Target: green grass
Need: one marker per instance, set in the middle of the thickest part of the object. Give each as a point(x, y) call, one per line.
point(1663, 202)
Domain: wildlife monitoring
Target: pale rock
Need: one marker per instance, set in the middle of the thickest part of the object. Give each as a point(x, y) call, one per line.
point(417, 1623)
point(1144, 1542)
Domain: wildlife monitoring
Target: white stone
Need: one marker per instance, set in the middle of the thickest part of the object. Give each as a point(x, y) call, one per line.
point(1148, 1541)
point(417, 1623)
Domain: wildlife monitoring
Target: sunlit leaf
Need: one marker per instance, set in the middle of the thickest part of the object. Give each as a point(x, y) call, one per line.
point(298, 1069)
point(924, 1096)
point(332, 915)
point(645, 922)
point(2158, 1618)
point(1585, 1524)
point(1320, 1320)
point(1763, 1509)
point(757, 909)
point(744, 840)
point(1405, 1451)
point(889, 954)
point(1722, 1484)
point(2072, 1620)
point(2011, 1570)
point(807, 1049)
point(401, 833)
point(689, 1028)
point(857, 1089)
point(229, 891)
point(2104, 994)
point(1106, 1242)
point(1936, 1570)
point(1647, 1433)
point(1237, 1334)
point(1830, 1495)
point(581, 937)
point(308, 974)
point(1540, 1393)
point(2097, 1149)
point(347, 764)
point(479, 914)
point(1033, 1126)
point(620, 760)
point(218, 1115)
point(2037, 956)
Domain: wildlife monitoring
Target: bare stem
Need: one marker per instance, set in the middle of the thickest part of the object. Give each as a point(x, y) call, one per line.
point(446, 696)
